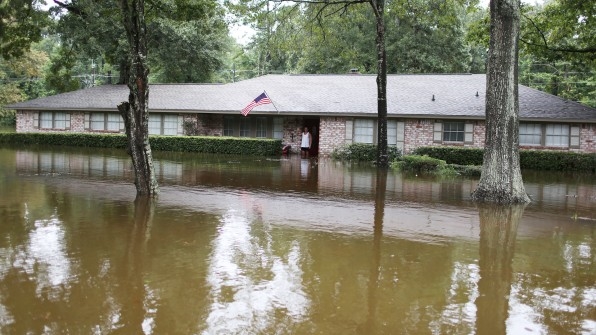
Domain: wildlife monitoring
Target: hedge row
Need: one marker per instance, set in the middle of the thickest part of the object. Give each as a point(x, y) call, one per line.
point(529, 159)
point(221, 145)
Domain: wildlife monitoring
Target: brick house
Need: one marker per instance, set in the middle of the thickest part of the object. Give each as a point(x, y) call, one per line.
point(423, 110)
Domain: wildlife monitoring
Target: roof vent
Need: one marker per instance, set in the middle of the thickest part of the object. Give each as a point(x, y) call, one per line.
point(477, 95)
point(433, 99)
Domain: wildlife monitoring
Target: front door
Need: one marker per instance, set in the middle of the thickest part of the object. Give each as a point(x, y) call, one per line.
point(313, 128)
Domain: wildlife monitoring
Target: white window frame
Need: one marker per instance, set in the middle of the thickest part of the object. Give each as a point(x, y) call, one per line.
point(392, 132)
point(261, 127)
point(448, 133)
point(54, 120)
point(530, 134)
point(556, 135)
point(364, 131)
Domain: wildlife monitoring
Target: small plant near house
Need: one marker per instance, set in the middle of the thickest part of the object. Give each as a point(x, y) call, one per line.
point(360, 152)
point(8, 118)
point(190, 128)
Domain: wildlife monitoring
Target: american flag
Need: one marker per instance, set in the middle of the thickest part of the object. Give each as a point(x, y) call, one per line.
point(262, 99)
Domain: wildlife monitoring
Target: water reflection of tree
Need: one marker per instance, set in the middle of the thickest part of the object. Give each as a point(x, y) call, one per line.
point(133, 269)
point(498, 231)
point(375, 267)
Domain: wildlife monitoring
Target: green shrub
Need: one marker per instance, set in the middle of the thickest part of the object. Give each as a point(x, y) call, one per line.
point(8, 117)
point(453, 155)
point(557, 160)
point(222, 145)
point(420, 164)
point(529, 159)
point(360, 152)
point(467, 170)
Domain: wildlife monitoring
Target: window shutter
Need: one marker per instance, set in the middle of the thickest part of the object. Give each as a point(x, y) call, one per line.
point(180, 123)
point(438, 132)
point(87, 121)
point(66, 121)
point(574, 137)
point(121, 124)
point(349, 131)
point(401, 135)
point(469, 133)
point(36, 120)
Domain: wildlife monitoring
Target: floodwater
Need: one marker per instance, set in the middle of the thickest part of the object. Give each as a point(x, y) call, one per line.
point(245, 245)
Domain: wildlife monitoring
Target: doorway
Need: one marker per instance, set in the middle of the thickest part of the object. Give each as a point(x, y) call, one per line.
point(313, 128)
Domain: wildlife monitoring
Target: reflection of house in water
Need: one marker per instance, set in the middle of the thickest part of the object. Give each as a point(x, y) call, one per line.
point(325, 177)
point(88, 165)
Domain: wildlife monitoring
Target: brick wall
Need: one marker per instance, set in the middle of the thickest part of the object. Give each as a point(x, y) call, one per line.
point(77, 122)
point(417, 133)
point(25, 121)
point(332, 131)
point(587, 138)
point(210, 124)
point(479, 134)
point(332, 134)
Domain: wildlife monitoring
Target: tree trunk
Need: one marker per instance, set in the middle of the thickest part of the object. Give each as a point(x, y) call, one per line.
point(501, 180)
point(379, 10)
point(498, 231)
point(135, 112)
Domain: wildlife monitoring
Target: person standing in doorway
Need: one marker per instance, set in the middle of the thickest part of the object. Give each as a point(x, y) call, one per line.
point(306, 143)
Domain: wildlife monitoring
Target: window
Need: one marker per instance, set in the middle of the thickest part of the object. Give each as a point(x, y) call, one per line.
point(261, 127)
point(54, 120)
point(170, 124)
point(557, 135)
point(244, 127)
point(453, 131)
point(163, 124)
point(363, 130)
point(115, 122)
point(278, 130)
point(530, 134)
point(154, 124)
point(391, 132)
point(106, 121)
point(228, 126)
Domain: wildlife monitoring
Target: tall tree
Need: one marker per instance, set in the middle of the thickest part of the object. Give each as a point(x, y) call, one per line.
point(187, 38)
point(135, 112)
point(21, 23)
point(501, 179)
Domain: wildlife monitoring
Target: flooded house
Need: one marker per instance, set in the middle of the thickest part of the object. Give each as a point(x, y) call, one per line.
point(423, 110)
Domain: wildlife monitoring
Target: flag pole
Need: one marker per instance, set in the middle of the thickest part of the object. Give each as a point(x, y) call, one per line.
point(271, 101)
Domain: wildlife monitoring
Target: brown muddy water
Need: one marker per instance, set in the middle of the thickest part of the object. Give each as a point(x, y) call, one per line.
point(244, 245)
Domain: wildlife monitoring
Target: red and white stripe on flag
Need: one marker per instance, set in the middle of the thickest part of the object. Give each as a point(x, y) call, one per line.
point(262, 99)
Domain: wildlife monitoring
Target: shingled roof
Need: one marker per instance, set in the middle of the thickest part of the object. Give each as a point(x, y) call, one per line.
point(455, 96)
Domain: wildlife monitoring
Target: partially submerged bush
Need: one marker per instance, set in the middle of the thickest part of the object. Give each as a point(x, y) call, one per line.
point(420, 164)
point(467, 170)
point(429, 165)
point(360, 152)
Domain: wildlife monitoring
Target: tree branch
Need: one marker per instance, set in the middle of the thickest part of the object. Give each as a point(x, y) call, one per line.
point(71, 8)
point(545, 44)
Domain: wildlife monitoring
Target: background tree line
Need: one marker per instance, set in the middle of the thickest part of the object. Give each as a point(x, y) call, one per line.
point(67, 45)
